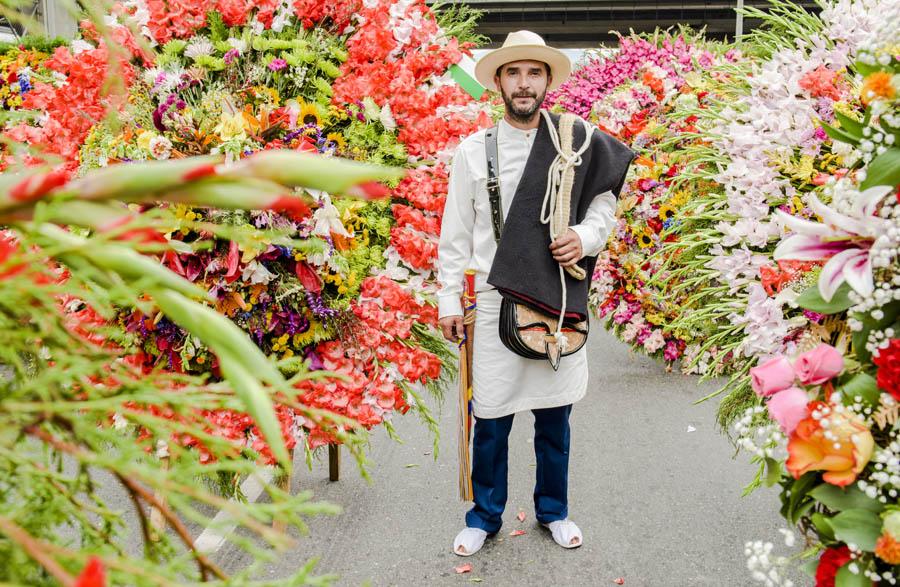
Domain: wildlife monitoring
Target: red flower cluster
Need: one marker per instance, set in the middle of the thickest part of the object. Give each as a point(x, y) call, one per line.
point(829, 564)
point(888, 363)
point(71, 109)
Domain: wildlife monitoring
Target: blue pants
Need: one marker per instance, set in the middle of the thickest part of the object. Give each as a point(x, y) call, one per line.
point(490, 464)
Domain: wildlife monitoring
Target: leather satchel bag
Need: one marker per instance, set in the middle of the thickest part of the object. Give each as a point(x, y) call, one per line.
point(528, 331)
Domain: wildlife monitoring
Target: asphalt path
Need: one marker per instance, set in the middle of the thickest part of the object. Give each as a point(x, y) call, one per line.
point(654, 485)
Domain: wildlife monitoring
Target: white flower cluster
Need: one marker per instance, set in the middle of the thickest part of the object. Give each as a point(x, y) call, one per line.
point(763, 440)
point(765, 568)
point(884, 481)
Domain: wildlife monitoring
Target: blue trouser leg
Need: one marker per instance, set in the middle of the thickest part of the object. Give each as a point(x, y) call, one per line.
point(490, 465)
point(551, 450)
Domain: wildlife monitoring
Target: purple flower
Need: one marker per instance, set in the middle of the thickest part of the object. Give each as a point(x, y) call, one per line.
point(277, 64)
point(231, 55)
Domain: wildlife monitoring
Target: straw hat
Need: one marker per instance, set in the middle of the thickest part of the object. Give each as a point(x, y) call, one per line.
point(522, 46)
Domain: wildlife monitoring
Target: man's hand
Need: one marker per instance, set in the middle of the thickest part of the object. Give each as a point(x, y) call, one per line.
point(567, 249)
point(452, 327)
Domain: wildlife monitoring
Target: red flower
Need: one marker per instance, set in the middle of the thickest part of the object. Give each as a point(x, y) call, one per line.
point(829, 564)
point(93, 574)
point(308, 277)
point(888, 363)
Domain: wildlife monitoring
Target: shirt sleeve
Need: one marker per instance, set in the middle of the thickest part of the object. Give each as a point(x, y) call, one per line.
point(455, 246)
point(597, 225)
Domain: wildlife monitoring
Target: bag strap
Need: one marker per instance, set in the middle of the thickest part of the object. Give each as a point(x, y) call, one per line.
point(493, 181)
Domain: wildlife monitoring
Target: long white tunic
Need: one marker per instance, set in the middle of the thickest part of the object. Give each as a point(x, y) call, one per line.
point(503, 382)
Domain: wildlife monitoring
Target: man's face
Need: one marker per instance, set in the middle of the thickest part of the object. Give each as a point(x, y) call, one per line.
point(523, 85)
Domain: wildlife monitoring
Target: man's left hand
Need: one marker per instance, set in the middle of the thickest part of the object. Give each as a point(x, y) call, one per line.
point(566, 249)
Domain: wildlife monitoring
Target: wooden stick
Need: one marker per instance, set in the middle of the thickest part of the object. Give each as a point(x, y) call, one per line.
point(36, 550)
point(334, 462)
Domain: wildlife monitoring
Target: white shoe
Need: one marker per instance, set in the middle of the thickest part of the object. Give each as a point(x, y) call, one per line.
point(469, 541)
point(565, 533)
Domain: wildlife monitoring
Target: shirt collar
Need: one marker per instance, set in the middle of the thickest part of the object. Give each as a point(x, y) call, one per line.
point(516, 133)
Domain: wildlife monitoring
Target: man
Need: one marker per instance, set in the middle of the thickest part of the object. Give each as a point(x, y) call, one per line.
point(503, 383)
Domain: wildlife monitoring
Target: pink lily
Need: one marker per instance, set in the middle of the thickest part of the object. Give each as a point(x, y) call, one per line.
point(845, 240)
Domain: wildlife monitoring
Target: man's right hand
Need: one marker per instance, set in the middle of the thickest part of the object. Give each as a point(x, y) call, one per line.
point(452, 327)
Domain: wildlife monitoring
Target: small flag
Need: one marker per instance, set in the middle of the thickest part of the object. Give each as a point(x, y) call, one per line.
point(463, 73)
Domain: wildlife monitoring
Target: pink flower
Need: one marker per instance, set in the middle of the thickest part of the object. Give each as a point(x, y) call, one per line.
point(277, 64)
point(788, 407)
point(819, 365)
point(772, 376)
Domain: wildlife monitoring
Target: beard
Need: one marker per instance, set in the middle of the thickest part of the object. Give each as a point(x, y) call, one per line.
point(523, 115)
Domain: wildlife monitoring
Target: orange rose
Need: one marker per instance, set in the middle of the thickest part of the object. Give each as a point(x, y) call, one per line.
point(842, 455)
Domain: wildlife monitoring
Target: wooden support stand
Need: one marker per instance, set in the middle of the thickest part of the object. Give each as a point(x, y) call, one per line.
point(334, 462)
point(284, 483)
point(157, 520)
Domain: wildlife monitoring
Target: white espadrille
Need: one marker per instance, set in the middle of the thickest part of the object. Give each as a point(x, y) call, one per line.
point(469, 541)
point(565, 533)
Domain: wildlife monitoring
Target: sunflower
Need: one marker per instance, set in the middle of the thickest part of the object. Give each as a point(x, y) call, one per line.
point(666, 212)
point(338, 140)
point(645, 238)
point(309, 114)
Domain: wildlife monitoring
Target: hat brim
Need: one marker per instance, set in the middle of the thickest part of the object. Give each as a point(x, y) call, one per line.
point(560, 65)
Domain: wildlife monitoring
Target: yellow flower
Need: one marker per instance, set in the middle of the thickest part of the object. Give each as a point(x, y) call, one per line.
point(654, 318)
point(309, 114)
point(288, 353)
point(338, 140)
point(666, 212)
point(645, 238)
point(144, 138)
point(231, 126)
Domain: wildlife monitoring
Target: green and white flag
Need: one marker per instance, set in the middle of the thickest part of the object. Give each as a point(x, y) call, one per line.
point(463, 73)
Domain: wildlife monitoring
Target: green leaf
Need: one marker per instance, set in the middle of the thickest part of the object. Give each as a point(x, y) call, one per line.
point(845, 578)
point(799, 501)
point(852, 127)
point(823, 526)
point(883, 170)
point(838, 499)
point(862, 385)
point(811, 299)
point(810, 566)
point(773, 471)
point(839, 135)
point(857, 526)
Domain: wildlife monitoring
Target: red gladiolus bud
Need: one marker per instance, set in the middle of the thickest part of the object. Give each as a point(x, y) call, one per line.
point(37, 186)
point(93, 574)
point(200, 172)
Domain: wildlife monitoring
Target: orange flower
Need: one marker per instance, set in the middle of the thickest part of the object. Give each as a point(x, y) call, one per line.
point(842, 454)
point(877, 85)
point(888, 549)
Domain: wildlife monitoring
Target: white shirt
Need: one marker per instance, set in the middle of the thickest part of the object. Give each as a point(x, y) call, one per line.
point(467, 236)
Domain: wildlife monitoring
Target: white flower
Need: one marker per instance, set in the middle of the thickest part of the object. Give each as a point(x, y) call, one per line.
point(160, 147)
point(655, 341)
point(199, 46)
point(326, 219)
point(80, 46)
point(256, 272)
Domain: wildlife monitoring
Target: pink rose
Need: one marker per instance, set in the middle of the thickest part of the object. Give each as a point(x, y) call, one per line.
point(819, 365)
point(788, 407)
point(772, 376)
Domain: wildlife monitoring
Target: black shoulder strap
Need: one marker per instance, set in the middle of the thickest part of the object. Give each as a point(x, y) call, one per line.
point(493, 181)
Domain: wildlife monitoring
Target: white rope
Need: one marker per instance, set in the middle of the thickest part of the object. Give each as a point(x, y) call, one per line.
point(558, 196)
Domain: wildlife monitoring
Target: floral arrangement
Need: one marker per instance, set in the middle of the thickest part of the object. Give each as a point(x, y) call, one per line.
point(646, 96)
point(346, 286)
point(72, 253)
point(835, 433)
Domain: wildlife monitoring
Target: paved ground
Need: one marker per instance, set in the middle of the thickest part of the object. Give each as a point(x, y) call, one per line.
point(659, 505)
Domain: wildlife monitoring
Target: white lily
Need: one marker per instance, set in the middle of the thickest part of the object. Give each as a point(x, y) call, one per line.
point(845, 240)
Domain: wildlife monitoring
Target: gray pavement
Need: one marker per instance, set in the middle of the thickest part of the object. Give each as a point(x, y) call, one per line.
point(658, 505)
